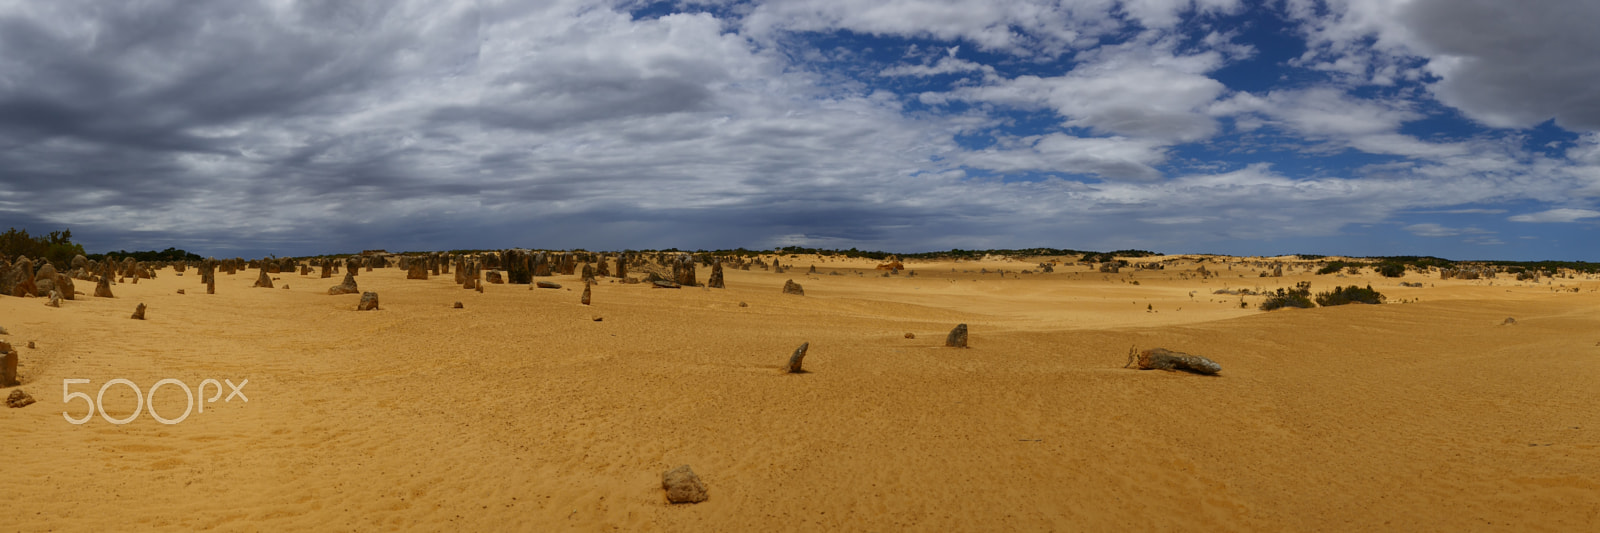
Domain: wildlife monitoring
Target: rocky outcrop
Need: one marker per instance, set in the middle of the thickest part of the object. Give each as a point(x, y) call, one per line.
point(790, 287)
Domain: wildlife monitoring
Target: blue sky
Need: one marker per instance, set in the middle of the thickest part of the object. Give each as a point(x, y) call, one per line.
point(1467, 129)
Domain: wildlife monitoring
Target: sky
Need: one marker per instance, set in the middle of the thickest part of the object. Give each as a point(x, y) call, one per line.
point(1465, 129)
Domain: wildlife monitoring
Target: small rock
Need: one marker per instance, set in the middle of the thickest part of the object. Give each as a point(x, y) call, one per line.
point(138, 312)
point(31, 346)
point(910, 335)
point(958, 337)
point(286, 286)
point(664, 284)
point(547, 285)
point(798, 356)
point(19, 399)
point(683, 486)
point(742, 304)
point(597, 319)
point(459, 306)
point(1509, 322)
point(55, 299)
point(790, 287)
point(180, 291)
point(369, 302)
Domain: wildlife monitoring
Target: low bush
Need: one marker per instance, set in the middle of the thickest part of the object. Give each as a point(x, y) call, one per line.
point(1299, 296)
point(1350, 295)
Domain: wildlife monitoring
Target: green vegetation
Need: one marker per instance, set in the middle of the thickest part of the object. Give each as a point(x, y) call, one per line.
point(57, 247)
point(1333, 268)
point(1349, 295)
point(169, 254)
point(1392, 270)
point(1299, 296)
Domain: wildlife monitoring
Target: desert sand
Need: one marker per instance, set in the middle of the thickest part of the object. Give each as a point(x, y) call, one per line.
point(521, 412)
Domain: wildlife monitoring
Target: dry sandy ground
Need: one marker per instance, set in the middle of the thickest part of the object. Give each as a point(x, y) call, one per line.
point(521, 412)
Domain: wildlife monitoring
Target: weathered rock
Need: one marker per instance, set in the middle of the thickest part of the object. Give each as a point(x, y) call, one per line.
point(716, 276)
point(211, 286)
point(910, 335)
point(588, 273)
point(1164, 359)
point(742, 304)
point(665, 284)
point(683, 270)
point(603, 267)
point(459, 306)
point(263, 280)
point(585, 299)
point(493, 276)
point(55, 299)
point(45, 279)
point(1509, 321)
point(327, 268)
point(547, 285)
point(683, 486)
point(348, 286)
point(790, 287)
point(957, 337)
point(369, 302)
point(417, 270)
point(138, 312)
point(19, 399)
point(798, 356)
point(19, 279)
point(622, 266)
point(67, 288)
point(8, 365)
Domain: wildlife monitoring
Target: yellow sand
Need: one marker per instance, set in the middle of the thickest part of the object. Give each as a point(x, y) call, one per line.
point(521, 412)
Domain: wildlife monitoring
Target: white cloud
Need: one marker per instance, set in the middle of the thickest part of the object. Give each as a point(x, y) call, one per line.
point(945, 65)
point(1557, 215)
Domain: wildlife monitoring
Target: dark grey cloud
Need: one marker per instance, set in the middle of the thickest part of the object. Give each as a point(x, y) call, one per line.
point(1514, 64)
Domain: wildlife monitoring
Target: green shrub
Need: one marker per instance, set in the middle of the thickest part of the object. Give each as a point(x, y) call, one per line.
point(1299, 296)
point(1349, 295)
point(1332, 268)
point(1392, 270)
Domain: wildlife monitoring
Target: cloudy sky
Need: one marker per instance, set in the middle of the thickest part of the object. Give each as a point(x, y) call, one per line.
point(1467, 129)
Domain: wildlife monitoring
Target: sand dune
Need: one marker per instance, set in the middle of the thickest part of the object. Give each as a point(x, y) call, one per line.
point(521, 412)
